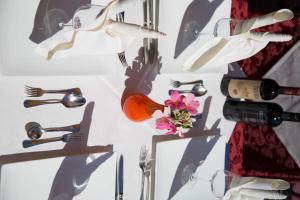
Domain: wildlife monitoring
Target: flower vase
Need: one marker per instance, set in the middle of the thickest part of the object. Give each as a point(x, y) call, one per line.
point(138, 107)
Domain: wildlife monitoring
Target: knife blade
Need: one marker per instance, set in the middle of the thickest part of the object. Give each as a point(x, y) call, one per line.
point(119, 178)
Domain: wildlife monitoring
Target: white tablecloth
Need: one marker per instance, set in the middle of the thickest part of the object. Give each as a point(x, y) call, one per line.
point(104, 122)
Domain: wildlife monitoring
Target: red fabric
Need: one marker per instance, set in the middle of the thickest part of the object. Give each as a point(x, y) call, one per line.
point(256, 150)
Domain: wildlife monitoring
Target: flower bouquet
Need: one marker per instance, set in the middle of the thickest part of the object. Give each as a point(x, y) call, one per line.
point(179, 117)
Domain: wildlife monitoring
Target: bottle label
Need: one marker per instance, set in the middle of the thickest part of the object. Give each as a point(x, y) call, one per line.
point(248, 89)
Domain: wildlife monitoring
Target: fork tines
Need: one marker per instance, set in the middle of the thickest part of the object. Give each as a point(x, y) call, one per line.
point(74, 138)
point(122, 58)
point(32, 91)
point(175, 84)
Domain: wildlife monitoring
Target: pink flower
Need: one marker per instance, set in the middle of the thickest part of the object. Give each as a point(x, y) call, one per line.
point(165, 123)
point(176, 101)
point(191, 104)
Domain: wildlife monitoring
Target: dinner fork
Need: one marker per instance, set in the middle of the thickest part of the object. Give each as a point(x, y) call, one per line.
point(120, 18)
point(66, 138)
point(177, 84)
point(143, 165)
point(37, 92)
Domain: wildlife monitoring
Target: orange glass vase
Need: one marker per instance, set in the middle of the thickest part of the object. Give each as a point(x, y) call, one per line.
point(138, 107)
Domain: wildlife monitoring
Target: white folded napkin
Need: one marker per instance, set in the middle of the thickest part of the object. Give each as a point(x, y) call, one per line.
point(268, 19)
point(103, 36)
point(253, 188)
point(224, 50)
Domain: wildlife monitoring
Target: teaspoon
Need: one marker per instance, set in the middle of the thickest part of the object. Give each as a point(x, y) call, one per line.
point(198, 90)
point(69, 101)
point(35, 130)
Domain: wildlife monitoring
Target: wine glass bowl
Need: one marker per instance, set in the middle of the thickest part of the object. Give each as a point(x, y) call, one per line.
point(226, 27)
point(221, 181)
point(83, 17)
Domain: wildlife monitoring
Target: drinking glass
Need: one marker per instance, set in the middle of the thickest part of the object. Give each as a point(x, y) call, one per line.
point(220, 182)
point(83, 17)
point(138, 107)
point(224, 27)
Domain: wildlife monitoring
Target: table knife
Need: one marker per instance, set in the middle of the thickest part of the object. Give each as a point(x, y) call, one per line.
point(119, 178)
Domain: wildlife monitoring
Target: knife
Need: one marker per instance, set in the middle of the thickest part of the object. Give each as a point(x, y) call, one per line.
point(119, 178)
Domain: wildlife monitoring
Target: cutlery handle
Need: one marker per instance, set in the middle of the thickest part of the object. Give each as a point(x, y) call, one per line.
point(192, 82)
point(30, 143)
point(147, 190)
point(66, 91)
point(142, 187)
point(33, 103)
point(73, 128)
point(180, 91)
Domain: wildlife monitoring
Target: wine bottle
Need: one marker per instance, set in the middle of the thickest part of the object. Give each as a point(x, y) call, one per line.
point(264, 89)
point(257, 113)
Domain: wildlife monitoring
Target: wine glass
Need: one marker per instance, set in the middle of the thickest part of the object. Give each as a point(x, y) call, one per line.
point(83, 17)
point(224, 27)
point(220, 182)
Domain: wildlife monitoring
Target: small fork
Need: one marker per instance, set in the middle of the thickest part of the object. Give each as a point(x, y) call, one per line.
point(66, 138)
point(177, 84)
point(120, 18)
point(37, 92)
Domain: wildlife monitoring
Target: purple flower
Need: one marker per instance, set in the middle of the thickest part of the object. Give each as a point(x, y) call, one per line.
point(191, 104)
point(165, 123)
point(176, 101)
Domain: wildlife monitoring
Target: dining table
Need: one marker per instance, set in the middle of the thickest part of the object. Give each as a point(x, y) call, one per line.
point(87, 169)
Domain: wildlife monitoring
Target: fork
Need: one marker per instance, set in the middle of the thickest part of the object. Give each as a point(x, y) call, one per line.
point(142, 164)
point(66, 138)
point(177, 84)
point(147, 173)
point(120, 18)
point(37, 92)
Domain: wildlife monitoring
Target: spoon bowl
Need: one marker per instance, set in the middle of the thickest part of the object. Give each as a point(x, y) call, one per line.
point(35, 130)
point(199, 90)
point(73, 100)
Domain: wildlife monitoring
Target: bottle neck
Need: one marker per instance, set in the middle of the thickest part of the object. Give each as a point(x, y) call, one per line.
point(287, 116)
point(289, 91)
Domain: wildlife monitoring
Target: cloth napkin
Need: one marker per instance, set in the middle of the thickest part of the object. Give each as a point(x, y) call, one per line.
point(102, 36)
point(253, 188)
point(245, 43)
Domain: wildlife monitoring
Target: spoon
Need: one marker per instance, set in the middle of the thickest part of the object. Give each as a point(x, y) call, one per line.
point(69, 101)
point(35, 130)
point(198, 90)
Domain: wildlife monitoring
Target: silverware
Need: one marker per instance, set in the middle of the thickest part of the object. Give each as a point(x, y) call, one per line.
point(142, 164)
point(146, 40)
point(120, 178)
point(37, 92)
point(198, 90)
point(35, 130)
point(177, 84)
point(64, 138)
point(122, 58)
point(69, 101)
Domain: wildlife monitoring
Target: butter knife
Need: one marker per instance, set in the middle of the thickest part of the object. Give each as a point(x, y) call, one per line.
point(119, 178)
